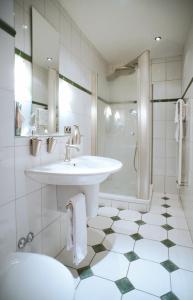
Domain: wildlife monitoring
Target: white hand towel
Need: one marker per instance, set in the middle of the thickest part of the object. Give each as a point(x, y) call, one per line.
point(68, 225)
point(77, 228)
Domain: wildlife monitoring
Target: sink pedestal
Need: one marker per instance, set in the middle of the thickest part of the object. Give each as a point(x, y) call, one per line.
point(64, 193)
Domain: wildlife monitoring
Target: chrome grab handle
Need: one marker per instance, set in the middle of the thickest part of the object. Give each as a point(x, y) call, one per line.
point(25, 240)
point(21, 243)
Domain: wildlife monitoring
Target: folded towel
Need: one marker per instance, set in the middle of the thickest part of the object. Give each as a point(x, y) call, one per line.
point(68, 225)
point(77, 228)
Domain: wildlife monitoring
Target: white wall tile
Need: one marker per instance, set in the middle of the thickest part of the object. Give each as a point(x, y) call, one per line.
point(171, 148)
point(6, 12)
point(171, 166)
point(7, 117)
point(63, 230)
point(46, 157)
point(166, 77)
point(159, 166)
point(173, 70)
point(7, 182)
point(170, 111)
point(158, 183)
point(159, 111)
point(159, 148)
point(49, 205)
point(173, 89)
point(29, 214)
point(27, 34)
point(75, 42)
point(23, 161)
point(65, 62)
point(51, 239)
point(159, 129)
point(6, 61)
point(85, 52)
point(19, 22)
point(158, 72)
point(158, 60)
point(65, 31)
point(159, 90)
point(52, 13)
point(7, 229)
point(170, 130)
point(170, 185)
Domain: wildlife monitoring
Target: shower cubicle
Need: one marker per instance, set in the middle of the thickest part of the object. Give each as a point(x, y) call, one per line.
point(124, 133)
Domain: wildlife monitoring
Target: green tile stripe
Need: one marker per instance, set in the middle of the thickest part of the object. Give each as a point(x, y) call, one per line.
point(164, 100)
point(7, 28)
point(23, 55)
point(78, 86)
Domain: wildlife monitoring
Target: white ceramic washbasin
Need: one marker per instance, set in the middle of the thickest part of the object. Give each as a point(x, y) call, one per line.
point(83, 170)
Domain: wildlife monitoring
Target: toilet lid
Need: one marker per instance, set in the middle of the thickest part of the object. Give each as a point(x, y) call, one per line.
point(28, 276)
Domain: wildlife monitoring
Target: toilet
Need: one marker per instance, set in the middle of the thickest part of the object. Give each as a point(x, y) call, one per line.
point(28, 276)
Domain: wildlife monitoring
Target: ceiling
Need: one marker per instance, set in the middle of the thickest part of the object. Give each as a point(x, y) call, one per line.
point(122, 29)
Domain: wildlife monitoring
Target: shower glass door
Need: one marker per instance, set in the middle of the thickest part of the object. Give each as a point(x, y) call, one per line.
point(117, 138)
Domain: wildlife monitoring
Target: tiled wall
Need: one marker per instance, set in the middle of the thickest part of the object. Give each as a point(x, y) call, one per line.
point(123, 88)
point(166, 80)
point(24, 204)
point(186, 192)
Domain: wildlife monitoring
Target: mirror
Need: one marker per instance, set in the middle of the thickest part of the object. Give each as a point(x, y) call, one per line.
point(37, 95)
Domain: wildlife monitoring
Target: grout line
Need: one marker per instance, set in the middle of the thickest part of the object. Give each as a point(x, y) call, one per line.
point(27, 194)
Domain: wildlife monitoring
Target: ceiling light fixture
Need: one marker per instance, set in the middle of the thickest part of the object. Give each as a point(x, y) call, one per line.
point(49, 58)
point(158, 38)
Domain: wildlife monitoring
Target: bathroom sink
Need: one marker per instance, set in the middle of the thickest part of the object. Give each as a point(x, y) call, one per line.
point(83, 170)
point(80, 175)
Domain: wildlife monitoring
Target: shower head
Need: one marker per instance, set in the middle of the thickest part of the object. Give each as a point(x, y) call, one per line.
point(133, 112)
point(126, 69)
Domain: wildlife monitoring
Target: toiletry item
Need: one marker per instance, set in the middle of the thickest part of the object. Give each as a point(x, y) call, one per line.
point(76, 137)
point(51, 143)
point(35, 145)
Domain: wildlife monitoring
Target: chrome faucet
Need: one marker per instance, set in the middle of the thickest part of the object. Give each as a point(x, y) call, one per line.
point(68, 152)
point(72, 143)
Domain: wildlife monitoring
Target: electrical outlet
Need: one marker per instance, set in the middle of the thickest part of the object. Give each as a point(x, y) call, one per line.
point(67, 129)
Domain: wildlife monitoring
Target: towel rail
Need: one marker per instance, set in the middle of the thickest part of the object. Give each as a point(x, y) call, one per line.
point(188, 86)
point(69, 205)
